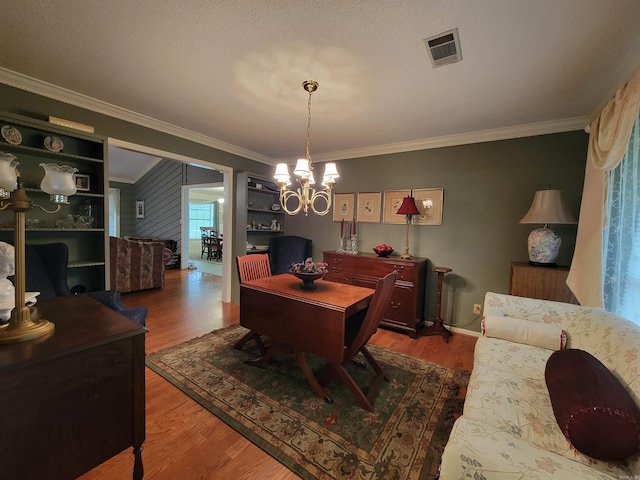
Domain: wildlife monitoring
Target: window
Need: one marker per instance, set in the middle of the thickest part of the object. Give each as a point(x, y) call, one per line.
point(200, 215)
point(114, 212)
point(622, 236)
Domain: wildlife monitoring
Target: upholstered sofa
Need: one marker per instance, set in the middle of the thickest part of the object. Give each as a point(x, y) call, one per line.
point(530, 408)
point(137, 265)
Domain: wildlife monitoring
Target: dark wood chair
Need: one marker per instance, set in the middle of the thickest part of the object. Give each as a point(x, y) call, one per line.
point(356, 341)
point(252, 267)
point(209, 242)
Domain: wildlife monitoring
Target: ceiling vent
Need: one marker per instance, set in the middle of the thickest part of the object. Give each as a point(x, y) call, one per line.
point(444, 48)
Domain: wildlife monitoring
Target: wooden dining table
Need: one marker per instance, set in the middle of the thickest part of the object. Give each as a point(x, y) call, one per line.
point(299, 321)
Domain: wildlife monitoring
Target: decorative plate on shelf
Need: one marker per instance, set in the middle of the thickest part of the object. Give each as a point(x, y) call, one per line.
point(53, 144)
point(12, 135)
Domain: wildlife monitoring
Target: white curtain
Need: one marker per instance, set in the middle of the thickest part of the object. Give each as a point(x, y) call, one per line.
point(622, 235)
point(608, 141)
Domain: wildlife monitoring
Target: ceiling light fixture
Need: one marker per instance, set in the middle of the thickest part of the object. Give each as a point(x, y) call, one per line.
point(305, 196)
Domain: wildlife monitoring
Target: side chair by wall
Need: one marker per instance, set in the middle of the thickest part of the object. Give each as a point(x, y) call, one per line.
point(252, 267)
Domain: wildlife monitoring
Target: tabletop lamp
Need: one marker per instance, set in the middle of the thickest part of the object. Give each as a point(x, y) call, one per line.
point(548, 207)
point(407, 208)
point(59, 183)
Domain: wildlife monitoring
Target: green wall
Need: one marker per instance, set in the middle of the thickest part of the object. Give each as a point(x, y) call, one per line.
point(488, 188)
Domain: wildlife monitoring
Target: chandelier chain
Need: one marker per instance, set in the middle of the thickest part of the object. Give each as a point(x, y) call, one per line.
point(309, 129)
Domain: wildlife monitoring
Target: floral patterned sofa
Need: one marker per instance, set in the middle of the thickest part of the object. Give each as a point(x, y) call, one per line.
point(508, 429)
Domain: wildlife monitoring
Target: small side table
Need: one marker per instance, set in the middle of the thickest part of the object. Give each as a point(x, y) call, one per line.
point(438, 328)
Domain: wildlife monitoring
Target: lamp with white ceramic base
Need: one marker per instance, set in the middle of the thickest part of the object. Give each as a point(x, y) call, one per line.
point(548, 207)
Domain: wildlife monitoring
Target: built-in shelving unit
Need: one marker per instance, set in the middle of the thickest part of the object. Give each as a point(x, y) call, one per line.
point(258, 207)
point(88, 244)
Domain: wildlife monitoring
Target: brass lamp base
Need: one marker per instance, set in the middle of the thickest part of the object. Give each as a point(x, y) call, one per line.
point(26, 330)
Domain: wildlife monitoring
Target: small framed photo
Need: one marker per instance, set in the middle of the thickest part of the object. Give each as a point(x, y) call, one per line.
point(83, 182)
point(369, 207)
point(392, 202)
point(429, 202)
point(343, 206)
point(139, 208)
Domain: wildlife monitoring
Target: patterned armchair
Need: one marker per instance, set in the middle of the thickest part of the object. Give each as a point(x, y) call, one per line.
point(137, 265)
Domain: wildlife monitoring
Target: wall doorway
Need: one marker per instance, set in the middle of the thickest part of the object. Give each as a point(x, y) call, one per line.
point(228, 195)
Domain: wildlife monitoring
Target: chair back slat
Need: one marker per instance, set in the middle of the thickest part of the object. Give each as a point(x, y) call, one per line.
point(252, 267)
point(377, 307)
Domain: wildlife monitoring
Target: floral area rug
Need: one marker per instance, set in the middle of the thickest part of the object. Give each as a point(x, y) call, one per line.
point(274, 407)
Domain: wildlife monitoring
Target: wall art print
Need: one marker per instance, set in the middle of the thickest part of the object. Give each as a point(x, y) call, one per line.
point(369, 207)
point(429, 202)
point(344, 206)
point(392, 202)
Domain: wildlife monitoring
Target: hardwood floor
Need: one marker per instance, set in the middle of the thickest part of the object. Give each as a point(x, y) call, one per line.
point(184, 441)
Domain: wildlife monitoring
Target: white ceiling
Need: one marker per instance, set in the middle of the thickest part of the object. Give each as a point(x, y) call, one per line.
point(228, 73)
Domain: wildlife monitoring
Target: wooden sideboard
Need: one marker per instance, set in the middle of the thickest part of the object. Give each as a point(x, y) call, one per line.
point(406, 310)
point(75, 398)
point(543, 283)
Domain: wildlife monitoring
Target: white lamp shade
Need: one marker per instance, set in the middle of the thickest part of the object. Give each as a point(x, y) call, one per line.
point(58, 179)
point(282, 174)
point(302, 168)
point(8, 176)
point(330, 170)
point(549, 207)
point(311, 179)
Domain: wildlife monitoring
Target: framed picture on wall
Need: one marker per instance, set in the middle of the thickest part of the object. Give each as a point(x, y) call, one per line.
point(83, 182)
point(343, 206)
point(369, 207)
point(429, 202)
point(392, 202)
point(139, 208)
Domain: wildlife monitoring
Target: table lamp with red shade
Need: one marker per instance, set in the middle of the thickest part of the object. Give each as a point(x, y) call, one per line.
point(407, 208)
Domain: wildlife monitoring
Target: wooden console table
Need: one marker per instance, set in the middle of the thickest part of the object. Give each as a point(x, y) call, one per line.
point(75, 398)
point(406, 310)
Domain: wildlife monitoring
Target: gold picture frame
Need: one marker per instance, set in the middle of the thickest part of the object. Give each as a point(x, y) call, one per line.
point(392, 202)
point(369, 207)
point(344, 206)
point(429, 203)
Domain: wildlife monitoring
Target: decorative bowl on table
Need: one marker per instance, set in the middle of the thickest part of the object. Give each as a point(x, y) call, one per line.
point(383, 250)
point(308, 272)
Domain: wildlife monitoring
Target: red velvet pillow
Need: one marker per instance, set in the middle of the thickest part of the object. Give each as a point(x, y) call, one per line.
point(593, 409)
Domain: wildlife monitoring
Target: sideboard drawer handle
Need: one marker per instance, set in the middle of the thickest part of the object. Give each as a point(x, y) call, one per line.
point(398, 268)
point(395, 305)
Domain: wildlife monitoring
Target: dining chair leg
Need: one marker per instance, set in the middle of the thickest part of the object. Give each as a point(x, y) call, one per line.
point(311, 378)
point(357, 392)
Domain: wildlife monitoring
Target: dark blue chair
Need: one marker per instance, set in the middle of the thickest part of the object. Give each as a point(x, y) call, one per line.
point(288, 249)
point(46, 272)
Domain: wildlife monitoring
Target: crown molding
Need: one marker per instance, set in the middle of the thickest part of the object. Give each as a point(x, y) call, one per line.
point(492, 135)
point(45, 89)
point(39, 87)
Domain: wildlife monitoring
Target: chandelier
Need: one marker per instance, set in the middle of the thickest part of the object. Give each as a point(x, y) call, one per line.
point(304, 196)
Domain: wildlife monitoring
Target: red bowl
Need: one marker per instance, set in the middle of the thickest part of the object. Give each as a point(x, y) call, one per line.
point(381, 252)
